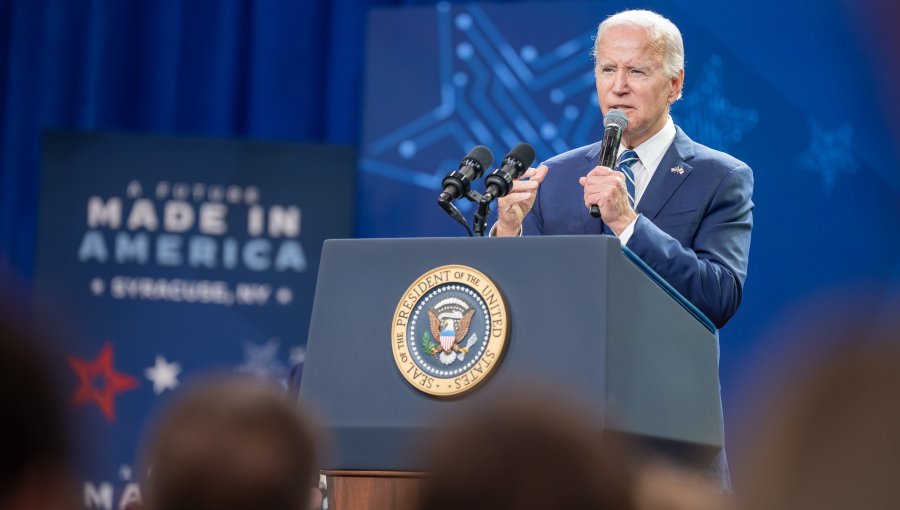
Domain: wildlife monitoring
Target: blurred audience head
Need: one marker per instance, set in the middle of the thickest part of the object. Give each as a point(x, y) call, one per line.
point(527, 451)
point(664, 485)
point(231, 443)
point(829, 437)
point(34, 456)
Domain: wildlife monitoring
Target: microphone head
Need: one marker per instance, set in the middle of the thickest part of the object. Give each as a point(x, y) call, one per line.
point(615, 118)
point(457, 182)
point(523, 154)
point(482, 156)
point(515, 163)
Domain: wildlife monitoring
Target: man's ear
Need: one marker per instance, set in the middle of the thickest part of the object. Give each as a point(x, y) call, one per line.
point(677, 84)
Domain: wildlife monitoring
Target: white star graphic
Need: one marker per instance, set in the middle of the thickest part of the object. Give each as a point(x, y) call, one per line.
point(163, 375)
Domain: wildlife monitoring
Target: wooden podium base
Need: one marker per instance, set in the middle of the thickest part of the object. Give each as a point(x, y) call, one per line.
point(372, 490)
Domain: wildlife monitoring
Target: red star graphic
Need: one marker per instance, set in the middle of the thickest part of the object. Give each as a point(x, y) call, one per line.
point(113, 382)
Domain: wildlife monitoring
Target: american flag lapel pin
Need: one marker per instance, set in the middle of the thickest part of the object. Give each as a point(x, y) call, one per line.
point(677, 170)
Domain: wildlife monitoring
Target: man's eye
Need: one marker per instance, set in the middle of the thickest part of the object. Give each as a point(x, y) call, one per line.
point(639, 72)
point(607, 70)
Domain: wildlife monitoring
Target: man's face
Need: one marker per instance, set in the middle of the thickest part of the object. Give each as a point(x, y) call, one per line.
point(630, 77)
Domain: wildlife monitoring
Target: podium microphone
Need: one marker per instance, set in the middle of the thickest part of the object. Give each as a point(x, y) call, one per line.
point(614, 123)
point(457, 183)
point(499, 182)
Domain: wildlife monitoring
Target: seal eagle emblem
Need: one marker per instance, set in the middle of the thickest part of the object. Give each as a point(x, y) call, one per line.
point(449, 330)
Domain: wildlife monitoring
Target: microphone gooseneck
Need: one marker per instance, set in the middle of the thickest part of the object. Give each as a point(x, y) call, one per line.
point(458, 183)
point(500, 181)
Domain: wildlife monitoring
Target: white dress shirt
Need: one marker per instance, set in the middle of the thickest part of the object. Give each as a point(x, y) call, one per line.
point(650, 153)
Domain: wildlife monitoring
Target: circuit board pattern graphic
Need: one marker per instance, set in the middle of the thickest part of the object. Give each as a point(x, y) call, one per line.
point(708, 116)
point(497, 94)
point(829, 154)
point(493, 94)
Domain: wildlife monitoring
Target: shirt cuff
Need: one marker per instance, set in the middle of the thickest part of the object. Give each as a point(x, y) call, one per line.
point(493, 231)
point(626, 234)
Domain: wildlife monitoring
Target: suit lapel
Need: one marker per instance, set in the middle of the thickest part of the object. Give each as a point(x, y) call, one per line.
point(667, 179)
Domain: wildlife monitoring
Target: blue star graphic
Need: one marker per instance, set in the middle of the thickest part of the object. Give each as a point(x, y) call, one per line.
point(708, 116)
point(491, 93)
point(829, 153)
point(262, 361)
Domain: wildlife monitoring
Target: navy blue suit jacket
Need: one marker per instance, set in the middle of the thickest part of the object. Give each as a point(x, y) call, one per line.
point(694, 225)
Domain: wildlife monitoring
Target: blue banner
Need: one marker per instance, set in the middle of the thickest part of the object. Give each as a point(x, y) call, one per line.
point(162, 258)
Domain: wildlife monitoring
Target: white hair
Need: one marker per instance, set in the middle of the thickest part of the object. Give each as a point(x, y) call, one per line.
point(665, 37)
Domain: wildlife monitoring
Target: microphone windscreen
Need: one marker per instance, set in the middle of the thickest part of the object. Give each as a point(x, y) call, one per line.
point(482, 155)
point(615, 118)
point(524, 153)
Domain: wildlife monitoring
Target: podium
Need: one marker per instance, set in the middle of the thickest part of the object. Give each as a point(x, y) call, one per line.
point(584, 314)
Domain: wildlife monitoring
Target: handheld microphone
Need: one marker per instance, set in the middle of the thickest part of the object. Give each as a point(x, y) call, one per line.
point(458, 182)
point(500, 181)
point(614, 123)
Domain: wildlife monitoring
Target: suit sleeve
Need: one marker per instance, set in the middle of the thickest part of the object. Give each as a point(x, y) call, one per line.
point(710, 272)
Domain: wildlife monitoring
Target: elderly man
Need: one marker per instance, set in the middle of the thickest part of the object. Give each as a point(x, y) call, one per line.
point(691, 218)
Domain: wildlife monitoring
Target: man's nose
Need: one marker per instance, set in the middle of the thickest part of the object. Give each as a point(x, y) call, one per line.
point(620, 82)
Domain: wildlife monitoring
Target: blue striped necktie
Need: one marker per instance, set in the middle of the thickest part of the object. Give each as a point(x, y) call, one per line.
point(626, 159)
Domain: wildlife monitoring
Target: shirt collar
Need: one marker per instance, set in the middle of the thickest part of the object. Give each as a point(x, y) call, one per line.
point(654, 148)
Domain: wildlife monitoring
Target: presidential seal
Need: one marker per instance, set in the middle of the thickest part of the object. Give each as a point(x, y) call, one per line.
point(449, 330)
